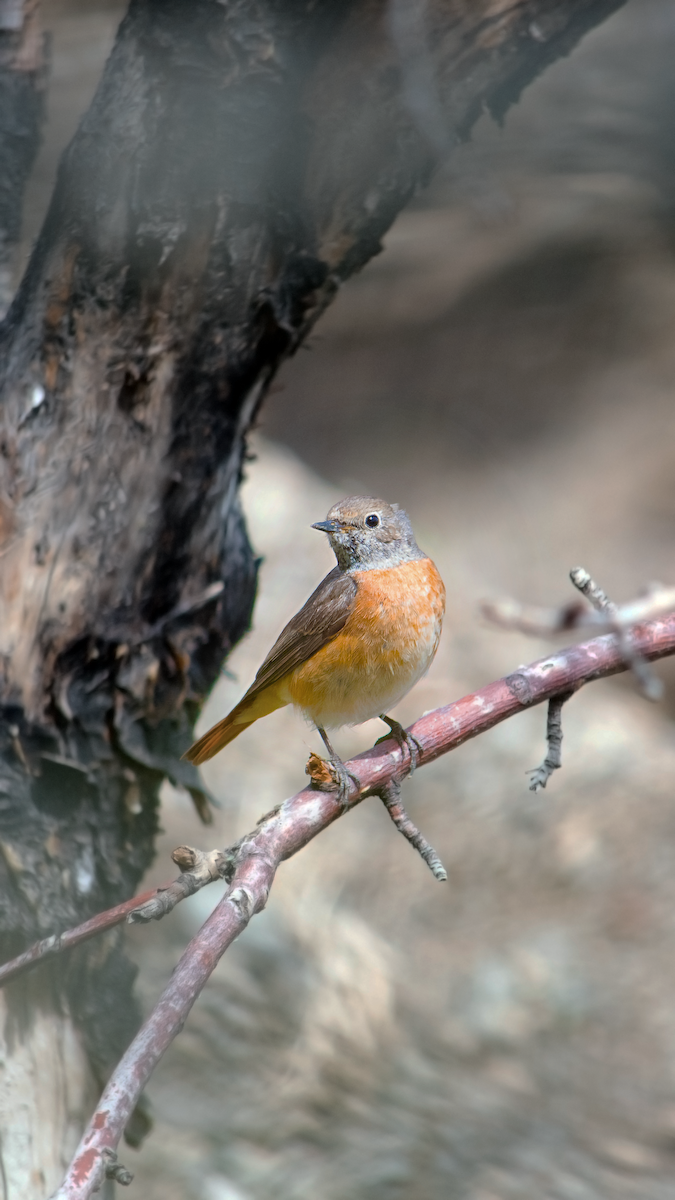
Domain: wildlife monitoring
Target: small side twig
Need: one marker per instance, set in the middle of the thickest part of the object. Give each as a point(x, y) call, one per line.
point(116, 1170)
point(58, 942)
point(390, 795)
point(198, 868)
point(537, 621)
point(540, 776)
point(650, 685)
point(600, 614)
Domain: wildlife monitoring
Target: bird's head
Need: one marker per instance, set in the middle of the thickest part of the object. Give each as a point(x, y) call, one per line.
point(366, 533)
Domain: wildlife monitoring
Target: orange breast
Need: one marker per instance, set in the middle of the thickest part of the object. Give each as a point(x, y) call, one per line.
point(386, 645)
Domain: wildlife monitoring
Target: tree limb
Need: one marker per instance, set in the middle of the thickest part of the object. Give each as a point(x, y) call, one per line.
point(59, 942)
point(288, 828)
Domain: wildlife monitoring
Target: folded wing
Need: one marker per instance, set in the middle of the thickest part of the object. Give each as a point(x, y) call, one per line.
point(317, 622)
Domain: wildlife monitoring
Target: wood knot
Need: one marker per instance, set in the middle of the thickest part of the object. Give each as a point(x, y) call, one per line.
point(520, 687)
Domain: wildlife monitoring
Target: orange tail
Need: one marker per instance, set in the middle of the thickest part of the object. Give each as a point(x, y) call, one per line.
point(214, 740)
point(243, 714)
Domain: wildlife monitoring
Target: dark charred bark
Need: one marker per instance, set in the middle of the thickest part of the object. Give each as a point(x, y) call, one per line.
point(238, 162)
point(22, 83)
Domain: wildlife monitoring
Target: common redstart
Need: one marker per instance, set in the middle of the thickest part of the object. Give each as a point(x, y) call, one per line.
point(359, 644)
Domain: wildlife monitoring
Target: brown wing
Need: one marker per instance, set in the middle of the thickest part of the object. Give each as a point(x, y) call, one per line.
point(317, 622)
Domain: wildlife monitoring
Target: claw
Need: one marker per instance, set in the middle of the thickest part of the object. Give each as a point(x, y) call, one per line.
point(403, 738)
point(341, 776)
point(343, 779)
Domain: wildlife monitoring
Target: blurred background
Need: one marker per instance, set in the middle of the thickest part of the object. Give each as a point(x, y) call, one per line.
point(505, 371)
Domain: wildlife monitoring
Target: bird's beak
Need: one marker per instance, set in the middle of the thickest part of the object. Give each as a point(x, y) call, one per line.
point(327, 526)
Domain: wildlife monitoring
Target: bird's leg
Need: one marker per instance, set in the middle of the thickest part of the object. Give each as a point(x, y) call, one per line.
point(343, 777)
point(403, 738)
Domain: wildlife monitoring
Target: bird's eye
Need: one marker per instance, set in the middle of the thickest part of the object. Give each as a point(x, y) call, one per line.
point(372, 520)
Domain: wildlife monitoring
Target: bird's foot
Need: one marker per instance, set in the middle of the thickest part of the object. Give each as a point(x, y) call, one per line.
point(332, 775)
point(403, 738)
point(344, 780)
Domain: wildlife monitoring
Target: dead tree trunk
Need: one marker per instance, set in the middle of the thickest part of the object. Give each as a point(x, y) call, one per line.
point(22, 82)
point(238, 162)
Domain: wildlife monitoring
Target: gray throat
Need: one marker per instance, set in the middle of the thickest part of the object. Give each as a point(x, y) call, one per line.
point(376, 558)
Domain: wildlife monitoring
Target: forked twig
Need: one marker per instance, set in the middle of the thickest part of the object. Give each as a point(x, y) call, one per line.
point(197, 869)
point(650, 685)
point(603, 613)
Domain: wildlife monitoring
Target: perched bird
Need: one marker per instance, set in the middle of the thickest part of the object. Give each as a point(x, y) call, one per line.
point(362, 640)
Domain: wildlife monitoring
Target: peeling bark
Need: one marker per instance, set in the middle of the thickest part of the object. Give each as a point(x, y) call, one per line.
point(237, 163)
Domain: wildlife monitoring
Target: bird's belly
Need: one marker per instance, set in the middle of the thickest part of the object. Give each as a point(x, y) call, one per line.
point(386, 645)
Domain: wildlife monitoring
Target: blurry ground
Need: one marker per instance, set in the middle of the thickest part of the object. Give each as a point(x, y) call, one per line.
point(505, 370)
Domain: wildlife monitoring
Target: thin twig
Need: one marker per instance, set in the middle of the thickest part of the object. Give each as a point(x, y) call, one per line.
point(593, 592)
point(537, 621)
point(390, 795)
point(290, 827)
point(542, 622)
point(650, 685)
point(197, 869)
point(540, 776)
point(59, 942)
point(601, 615)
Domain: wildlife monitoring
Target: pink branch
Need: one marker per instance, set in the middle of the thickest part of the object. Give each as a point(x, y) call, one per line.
point(290, 827)
point(58, 942)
